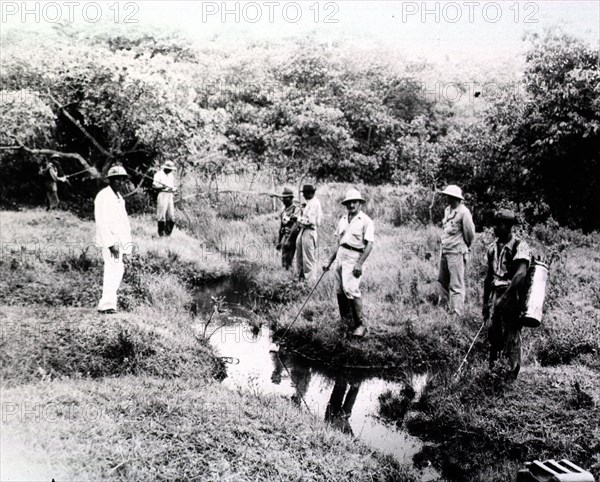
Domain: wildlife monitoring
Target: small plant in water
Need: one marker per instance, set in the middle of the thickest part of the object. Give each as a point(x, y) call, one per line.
point(219, 306)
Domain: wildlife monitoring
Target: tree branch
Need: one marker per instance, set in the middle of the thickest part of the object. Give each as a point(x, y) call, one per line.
point(49, 152)
point(84, 131)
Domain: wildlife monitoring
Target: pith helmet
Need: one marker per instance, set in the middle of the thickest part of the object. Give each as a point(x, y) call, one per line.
point(117, 171)
point(169, 165)
point(287, 192)
point(353, 195)
point(308, 188)
point(506, 215)
point(453, 191)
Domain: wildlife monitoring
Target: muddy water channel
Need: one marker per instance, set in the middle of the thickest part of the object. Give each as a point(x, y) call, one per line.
point(348, 399)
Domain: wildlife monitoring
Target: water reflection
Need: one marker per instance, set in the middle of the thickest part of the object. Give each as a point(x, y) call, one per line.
point(342, 400)
point(348, 400)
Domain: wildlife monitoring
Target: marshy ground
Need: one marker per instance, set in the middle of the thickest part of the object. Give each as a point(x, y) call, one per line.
point(155, 407)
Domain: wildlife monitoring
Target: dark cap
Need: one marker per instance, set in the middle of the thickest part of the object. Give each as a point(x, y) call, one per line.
point(506, 215)
point(287, 192)
point(308, 188)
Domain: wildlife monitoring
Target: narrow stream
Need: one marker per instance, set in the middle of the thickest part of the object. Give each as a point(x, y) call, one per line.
point(348, 399)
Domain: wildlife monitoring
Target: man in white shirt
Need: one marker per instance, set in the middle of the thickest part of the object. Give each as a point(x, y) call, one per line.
point(113, 235)
point(164, 182)
point(306, 244)
point(356, 234)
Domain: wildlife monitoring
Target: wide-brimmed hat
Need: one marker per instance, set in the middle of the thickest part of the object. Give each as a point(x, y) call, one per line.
point(453, 191)
point(308, 188)
point(117, 171)
point(287, 192)
point(506, 215)
point(353, 195)
point(169, 165)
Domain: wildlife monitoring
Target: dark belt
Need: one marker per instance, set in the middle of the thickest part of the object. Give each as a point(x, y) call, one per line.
point(352, 248)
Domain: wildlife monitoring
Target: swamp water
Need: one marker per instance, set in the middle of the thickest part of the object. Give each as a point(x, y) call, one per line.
point(348, 398)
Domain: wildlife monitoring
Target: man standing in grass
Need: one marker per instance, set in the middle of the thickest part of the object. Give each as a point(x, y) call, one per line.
point(508, 259)
point(306, 246)
point(288, 230)
point(113, 235)
point(356, 234)
point(164, 182)
point(457, 236)
point(52, 178)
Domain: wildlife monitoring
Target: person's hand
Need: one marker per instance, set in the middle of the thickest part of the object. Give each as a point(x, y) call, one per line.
point(62, 179)
point(357, 271)
point(326, 267)
point(114, 251)
point(278, 247)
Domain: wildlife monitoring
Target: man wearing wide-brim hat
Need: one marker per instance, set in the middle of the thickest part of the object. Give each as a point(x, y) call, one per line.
point(113, 235)
point(288, 230)
point(306, 246)
point(356, 235)
point(164, 183)
point(508, 259)
point(457, 236)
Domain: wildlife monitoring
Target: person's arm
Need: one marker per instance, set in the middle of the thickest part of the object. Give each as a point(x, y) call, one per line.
point(330, 261)
point(518, 279)
point(468, 228)
point(157, 181)
point(357, 271)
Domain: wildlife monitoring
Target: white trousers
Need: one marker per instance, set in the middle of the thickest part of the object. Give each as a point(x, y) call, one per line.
point(113, 274)
point(165, 207)
point(345, 281)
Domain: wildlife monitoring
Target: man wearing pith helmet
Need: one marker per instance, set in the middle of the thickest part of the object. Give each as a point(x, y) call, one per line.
point(508, 259)
point(356, 234)
point(457, 236)
point(164, 182)
point(113, 235)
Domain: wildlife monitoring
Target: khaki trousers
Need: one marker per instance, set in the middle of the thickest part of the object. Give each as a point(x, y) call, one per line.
point(165, 207)
point(306, 255)
point(451, 281)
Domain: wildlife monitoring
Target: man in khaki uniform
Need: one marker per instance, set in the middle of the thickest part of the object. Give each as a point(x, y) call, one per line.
point(508, 259)
point(288, 231)
point(457, 236)
point(356, 234)
point(164, 182)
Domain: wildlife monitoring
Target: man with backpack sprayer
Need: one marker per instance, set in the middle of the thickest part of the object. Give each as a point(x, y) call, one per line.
point(508, 259)
point(356, 234)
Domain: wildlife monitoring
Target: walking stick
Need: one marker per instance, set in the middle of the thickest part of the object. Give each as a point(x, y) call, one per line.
point(469, 351)
point(274, 347)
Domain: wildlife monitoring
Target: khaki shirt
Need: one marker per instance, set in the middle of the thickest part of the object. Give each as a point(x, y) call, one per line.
point(502, 264)
point(458, 230)
point(356, 233)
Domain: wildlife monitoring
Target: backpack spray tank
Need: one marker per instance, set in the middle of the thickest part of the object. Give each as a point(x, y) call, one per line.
point(535, 294)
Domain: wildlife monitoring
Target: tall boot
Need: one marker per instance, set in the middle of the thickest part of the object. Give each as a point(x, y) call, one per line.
point(169, 227)
point(357, 313)
point(345, 310)
point(161, 228)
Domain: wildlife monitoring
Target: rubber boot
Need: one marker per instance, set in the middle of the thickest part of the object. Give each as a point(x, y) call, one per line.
point(359, 321)
point(161, 228)
point(345, 310)
point(169, 227)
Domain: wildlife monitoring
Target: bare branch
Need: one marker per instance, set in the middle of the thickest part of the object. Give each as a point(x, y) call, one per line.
point(80, 127)
point(49, 152)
